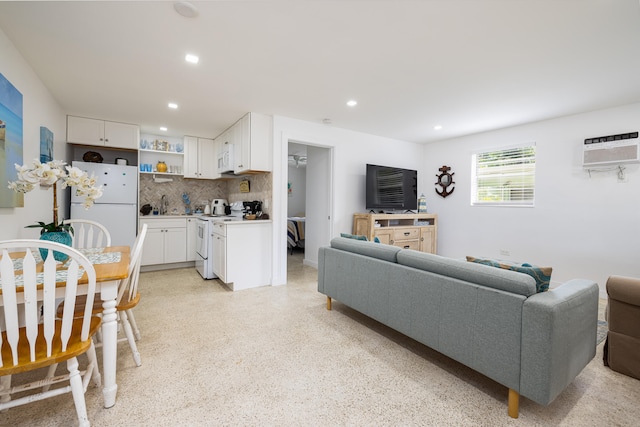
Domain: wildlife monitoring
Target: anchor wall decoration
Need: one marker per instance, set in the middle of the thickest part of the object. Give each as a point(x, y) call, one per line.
point(445, 179)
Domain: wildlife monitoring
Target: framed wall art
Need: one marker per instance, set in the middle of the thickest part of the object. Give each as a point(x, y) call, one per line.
point(46, 145)
point(11, 148)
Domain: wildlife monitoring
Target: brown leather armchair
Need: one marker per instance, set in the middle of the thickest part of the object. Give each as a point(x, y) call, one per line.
point(622, 349)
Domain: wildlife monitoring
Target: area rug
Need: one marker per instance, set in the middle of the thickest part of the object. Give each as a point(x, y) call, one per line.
point(602, 331)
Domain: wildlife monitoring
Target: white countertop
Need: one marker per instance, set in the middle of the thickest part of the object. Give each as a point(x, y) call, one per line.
point(225, 219)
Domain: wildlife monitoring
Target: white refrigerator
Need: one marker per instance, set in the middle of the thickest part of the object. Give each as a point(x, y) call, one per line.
point(117, 209)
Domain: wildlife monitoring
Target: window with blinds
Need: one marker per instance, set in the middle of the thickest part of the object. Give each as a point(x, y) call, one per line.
point(504, 177)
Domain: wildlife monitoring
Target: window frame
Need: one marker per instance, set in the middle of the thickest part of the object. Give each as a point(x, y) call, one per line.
point(529, 170)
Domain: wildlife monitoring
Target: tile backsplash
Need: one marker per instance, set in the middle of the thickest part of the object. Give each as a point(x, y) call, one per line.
point(201, 191)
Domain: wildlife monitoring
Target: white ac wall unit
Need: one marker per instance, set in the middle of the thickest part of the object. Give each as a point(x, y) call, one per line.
point(611, 150)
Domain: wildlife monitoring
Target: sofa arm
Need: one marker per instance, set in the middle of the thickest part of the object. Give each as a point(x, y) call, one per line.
point(559, 329)
point(625, 289)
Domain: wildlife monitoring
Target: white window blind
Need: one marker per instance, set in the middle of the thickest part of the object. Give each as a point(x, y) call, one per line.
point(504, 177)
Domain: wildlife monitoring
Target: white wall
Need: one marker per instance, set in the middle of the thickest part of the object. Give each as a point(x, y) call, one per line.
point(39, 109)
point(582, 227)
point(296, 201)
point(351, 152)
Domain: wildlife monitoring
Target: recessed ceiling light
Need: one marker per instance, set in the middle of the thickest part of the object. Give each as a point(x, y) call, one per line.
point(437, 127)
point(185, 9)
point(173, 105)
point(163, 129)
point(352, 103)
point(191, 58)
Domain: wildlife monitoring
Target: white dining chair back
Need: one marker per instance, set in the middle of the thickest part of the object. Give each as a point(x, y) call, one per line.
point(128, 296)
point(88, 234)
point(129, 287)
point(34, 336)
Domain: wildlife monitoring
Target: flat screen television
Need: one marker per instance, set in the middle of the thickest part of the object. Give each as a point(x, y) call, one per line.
point(391, 189)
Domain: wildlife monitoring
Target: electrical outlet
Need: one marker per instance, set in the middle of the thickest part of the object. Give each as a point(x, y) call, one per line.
point(505, 252)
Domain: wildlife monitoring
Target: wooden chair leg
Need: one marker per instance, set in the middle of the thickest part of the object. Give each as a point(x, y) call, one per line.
point(514, 403)
point(50, 374)
point(5, 388)
point(132, 341)
point(328, 303)
point(95, 375)
point(134, 325)
point(77, 390)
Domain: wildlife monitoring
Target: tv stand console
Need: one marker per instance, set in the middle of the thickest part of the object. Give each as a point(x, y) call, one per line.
point(409, 231)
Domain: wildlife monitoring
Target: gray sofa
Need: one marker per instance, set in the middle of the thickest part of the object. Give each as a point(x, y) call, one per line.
point(489, 319)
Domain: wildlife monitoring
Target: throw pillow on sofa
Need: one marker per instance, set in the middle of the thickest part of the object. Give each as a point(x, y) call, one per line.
point(542, 275)
point(358, 237)
point(353, 236)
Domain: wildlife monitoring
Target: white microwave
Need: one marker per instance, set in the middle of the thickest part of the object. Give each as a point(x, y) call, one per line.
point(225, 158)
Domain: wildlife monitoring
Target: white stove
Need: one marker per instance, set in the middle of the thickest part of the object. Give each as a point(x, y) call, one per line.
point(204, 242)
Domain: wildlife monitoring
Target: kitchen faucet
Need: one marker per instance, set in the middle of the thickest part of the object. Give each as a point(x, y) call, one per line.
point(164, 205)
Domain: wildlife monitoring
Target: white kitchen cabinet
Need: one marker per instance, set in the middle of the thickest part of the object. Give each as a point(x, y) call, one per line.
point(85, 131)
point(241, 251)
point(253, 140)
point(166, 241)
point(220, 251)
point(192, 230)
point(200, 158)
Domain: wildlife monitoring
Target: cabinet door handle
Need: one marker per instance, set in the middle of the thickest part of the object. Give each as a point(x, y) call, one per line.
point(392, 242)
point(406, 233)
point(406, 247)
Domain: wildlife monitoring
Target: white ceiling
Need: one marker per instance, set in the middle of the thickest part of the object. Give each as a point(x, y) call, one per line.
point(468, 65)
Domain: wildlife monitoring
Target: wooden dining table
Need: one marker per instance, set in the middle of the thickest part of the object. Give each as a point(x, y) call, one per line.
point(111, 265)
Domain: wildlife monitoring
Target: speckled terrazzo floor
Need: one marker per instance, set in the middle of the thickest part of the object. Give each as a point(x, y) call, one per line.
point(275, 356)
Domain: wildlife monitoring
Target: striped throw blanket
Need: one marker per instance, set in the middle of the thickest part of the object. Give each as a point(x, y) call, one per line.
point(295, 231)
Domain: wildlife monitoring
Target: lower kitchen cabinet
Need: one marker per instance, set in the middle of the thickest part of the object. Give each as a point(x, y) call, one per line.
point(220, 251)
point(241, 253)
point(166, 241)
point(192, 230)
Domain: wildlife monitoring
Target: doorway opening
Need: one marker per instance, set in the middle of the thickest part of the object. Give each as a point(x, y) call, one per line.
point(309, 195)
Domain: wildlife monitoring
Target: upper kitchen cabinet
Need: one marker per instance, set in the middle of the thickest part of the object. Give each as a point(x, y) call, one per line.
point(200, 158)
point(253, 138)
point(81, 130)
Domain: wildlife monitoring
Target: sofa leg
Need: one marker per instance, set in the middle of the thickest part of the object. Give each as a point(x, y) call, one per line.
point(328, 303)
point(514, 402)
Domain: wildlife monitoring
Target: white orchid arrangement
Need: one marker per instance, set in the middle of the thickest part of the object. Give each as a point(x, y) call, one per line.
point(48, 175)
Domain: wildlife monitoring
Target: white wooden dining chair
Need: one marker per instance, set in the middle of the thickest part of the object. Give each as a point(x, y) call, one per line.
point(33, 336)
point(128, 298)
point(88, 234)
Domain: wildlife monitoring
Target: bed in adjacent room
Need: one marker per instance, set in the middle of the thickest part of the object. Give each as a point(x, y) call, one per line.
point(295, 232)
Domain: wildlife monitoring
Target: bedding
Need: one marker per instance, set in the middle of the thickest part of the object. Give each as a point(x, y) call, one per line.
point(295, 232)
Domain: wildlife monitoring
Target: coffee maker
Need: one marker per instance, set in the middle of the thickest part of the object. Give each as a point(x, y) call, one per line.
point(253, 208)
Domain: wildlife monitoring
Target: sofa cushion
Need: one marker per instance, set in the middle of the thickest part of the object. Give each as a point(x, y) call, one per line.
point(374, 250)
point(505, 280)
point(542, 275)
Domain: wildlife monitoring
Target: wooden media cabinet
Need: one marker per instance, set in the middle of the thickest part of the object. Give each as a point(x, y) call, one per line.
point(409, 231)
